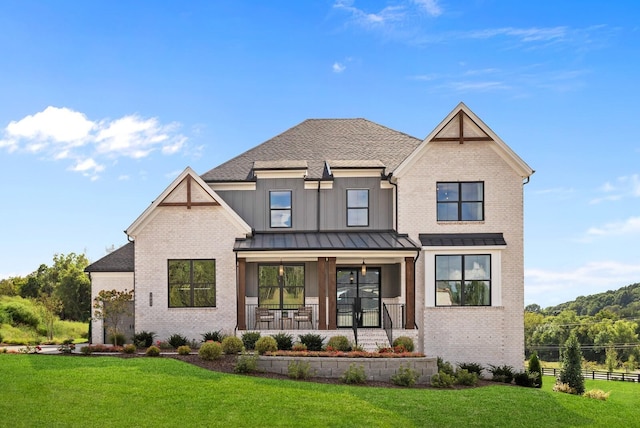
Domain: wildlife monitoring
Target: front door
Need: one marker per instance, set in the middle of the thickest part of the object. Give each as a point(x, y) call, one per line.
point(358, 299)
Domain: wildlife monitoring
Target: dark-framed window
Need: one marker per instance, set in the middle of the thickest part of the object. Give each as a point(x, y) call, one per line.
point(192, 283)
point(357, 207)
point(280, 208)
point(460, 201)
point(280, 291)
point(463, 280)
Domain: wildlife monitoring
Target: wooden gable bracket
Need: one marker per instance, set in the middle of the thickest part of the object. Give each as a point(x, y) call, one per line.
point(461, 138)
point(189, 203)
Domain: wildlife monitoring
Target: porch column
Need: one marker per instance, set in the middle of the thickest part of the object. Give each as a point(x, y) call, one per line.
point(242, 287)
point(410, 293)
point(322, 293)
point(332, 292)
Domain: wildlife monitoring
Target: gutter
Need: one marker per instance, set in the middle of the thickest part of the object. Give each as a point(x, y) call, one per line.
point(396, 199)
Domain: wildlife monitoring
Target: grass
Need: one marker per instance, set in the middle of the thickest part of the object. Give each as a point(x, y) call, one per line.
point(109, 391)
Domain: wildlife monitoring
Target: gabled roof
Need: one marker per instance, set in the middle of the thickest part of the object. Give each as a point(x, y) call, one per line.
point(316, 141)
point(462, 126)
point(120, 260)
point(187, 190)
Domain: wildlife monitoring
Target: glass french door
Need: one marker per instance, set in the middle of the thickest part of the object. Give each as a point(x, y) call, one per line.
point(358, 297)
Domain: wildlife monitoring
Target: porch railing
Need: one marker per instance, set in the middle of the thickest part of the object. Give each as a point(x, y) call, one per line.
point(396, 314)
point(387, 323)
point(281, 318)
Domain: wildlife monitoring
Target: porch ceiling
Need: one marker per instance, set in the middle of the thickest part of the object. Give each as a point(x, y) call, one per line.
point(328, 241)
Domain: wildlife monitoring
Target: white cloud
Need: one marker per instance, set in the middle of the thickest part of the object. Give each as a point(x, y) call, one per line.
point(430, 6)
point(548, 288)
point(624, 187)
point(338, 67)
point(65, 134)
point(627, 227)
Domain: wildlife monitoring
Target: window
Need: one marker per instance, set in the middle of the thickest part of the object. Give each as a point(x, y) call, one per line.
point(280, 208)
point(192, 283)
point(357, 207)
point(463, 280)
point(460, 201)
point(284, 291)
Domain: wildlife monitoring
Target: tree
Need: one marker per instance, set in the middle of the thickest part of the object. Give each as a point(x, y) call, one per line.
point(535, 369)
point(50, 307)
point(571, 372)
point(112, 306)
point(71, 285)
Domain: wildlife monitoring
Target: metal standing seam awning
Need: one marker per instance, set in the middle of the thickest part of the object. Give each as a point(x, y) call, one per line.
point(309, 243)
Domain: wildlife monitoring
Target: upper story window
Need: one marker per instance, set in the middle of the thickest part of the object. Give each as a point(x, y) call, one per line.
point(357, 207)
point(280, 208)
point(192, 283)
point(463, 280)
point(460, 201)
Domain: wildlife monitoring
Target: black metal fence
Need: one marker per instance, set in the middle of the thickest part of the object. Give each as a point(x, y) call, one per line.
point(599, 375)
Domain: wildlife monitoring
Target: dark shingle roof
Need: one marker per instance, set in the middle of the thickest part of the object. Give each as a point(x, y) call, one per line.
point(370, 240)
point(460, 239)
point(120, 260)
point(318, 140)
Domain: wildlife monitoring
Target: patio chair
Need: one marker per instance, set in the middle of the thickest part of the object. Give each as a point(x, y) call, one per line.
point(264, 315)
point(304, 314)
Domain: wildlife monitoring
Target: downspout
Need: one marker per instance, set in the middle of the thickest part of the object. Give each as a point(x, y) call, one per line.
point(318, 208)
point(396, 199)
point(235, 329)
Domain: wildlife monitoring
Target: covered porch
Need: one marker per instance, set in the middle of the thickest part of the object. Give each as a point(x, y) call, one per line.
point(326, 281)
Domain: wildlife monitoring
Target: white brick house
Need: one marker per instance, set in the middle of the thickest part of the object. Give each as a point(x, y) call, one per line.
point(374, 232)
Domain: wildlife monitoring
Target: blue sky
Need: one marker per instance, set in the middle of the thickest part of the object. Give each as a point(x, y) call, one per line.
point(103, 103)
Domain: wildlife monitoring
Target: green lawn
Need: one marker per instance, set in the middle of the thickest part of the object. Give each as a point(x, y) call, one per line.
point(48, 390)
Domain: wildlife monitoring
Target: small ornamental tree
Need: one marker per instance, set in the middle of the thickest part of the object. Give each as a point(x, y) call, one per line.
point(535, 369)
point(571, 372)
point(112, 306)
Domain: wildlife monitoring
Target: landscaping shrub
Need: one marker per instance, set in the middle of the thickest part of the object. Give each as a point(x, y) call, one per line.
point(446, 367)
point(246, 363)
point(405, 376)
point(563, 387)
point(86, 350)
point(299, 347)
point(232, 345)
point(177, 340)
point(213, 336)
point(404, 341)
point(571, 372)
point(128, 349)
point(464, 377)
point(143, 339)
point(184, 350)
point(249, 339)
point(472, 368)
point(312, 341)
point(535, 369)
point(442, 380)
point(117, 339)
point(354, 374)
point(339, 343)
point(299, 370)
point(502, 373)
point(284, 341)
point(597, 394)
point(210, 351)
point(152, 351)
point(266, 344)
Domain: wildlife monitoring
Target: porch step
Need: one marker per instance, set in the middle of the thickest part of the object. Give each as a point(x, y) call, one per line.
point(371, 339)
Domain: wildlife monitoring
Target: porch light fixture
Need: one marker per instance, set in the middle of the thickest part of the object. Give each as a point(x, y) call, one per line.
point(363, 269)
point(351, 277)
point(281, 269)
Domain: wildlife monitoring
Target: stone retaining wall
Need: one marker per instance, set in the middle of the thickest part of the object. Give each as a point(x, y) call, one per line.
point(376, 369)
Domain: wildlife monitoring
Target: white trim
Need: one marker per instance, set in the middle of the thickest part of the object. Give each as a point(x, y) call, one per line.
point(385, 185)
point(429, 254)
point(288, 173)
point(356, 172)
point(312, 255)
point(313, 185)
point(245, 185)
